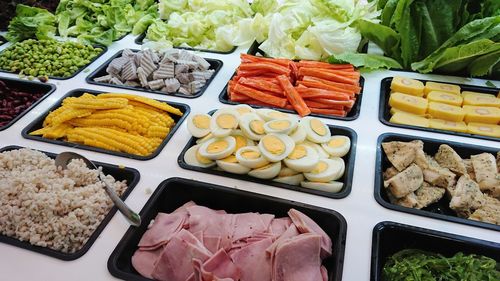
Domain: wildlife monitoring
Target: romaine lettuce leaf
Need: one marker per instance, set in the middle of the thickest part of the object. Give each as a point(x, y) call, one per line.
point(484, 65)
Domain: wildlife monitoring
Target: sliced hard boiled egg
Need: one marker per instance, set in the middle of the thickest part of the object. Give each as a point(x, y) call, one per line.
point(333, 186)
point(299, 134)
point(337, 146)
point(291, 180)
point(326, 170)
point(204, 139)
point(280, 126)
point(241, 140)
point(321, 152)
point(199, 125)
point(316, 130)
point(193, 158)
point(223, 122)
point(218, 148)
point(243, 109)
point(276, 147)
point(302, 159)
point(287, 172)
point(266, 172)
point(250, 156)
point(252, 126)
point(340, 163)
point(270, 114)
point(230, 164)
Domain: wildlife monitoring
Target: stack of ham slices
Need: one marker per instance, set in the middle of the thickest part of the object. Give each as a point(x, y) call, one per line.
point(196, 243)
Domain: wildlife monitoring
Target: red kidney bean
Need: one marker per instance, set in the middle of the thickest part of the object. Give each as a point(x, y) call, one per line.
point(14, 101)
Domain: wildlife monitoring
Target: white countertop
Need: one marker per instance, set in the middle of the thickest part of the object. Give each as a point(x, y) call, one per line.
point(359, 208)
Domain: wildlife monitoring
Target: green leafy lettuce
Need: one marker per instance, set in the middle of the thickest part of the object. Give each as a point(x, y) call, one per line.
point(31, 22)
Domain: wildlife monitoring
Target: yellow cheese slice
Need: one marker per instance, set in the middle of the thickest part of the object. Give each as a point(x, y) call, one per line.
point(409, 119)
point(408, 86)
point(490, 130)
point(482, 114)
point(480, 99)
point(446, 112)
point(448, 125)
point(408, 103)
point(442, 87)
point(444, 97)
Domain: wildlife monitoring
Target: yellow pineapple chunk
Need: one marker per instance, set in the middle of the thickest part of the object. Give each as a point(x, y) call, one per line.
point(448, 125)
point(408, 86)
point(409, 119)
point(490, 130)
point(446, 112)
point(482, 114)
point(444, 97)
point(408, 103)
point(442, 87)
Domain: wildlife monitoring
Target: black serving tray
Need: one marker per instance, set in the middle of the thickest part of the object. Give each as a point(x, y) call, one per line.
point(439, 210)
point(37, 124)
point(352, 115)
point(346, 178)
point(104, 50)
point(390, 238)
point(174, 192)
point(29, 87)
point(140, 40)
point(132, 177)
point(384, 112)
point(101, 71)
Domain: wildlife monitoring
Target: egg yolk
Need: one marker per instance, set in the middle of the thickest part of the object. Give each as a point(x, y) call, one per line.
point(336, 142)
point(217, 146)
point(320, 168)
point(318, 127)
point(202, 159)
point(226, 121)
point(201, 121)
point(274, 145)
point(287, 173)
point(276, 115)
point(230, 159)
point(298, 153)
point(257, 126)
point(250, 154)
point(240, 141)
point(279, 124)
point(243, 110)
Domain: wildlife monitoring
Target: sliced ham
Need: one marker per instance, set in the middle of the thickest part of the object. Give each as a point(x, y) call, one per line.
point(324, 273)
point(253, 261)
point(212, 223)
point(292, 231)
point(144, 261)
point(165, 226)
point(279, 226)
point(298, 259)
point(212, 243)
point(175, 262)
point(218, 267)
point(248, 224)
point(306, 225)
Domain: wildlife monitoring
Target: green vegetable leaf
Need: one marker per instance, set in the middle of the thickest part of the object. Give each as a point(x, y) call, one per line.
point(367, 61)
point(385, 37)
point(490, 84)
point(484, 65)
point(264, 7)
point(31, 22)
point(457, 58)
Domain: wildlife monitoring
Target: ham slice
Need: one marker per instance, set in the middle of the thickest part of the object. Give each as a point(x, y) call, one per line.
point(306, 225)
point(144, 261)
point(248, 224)
point(324, 273)
point(175, 263)
point(292, 231)
point(212, 223)
point(165, 226)
point(298, 259)
point(218, 267)
point(253, 261)
point(279, 226)
point(212, 243)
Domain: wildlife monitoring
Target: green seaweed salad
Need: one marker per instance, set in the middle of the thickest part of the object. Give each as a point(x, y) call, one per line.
point(417, 265)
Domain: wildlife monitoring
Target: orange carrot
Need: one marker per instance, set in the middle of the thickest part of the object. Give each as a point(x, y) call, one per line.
point(246, 73)
point(308, 93)
point(293, 96)
point(319, 85)
point(347, 104)
point(265, 67)
point(324, 111)
point(262, 85)
point(260, 96)
point(354, 88)
point(314, 104)
point(249, 58)
point(306, 71)
point(318, 64)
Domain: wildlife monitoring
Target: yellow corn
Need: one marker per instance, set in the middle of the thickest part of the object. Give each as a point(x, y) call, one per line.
point(87, 103)
point(69, 114)
point(84, 122)
point(151, 102)
point(114, 140)
point(58, 131)
point(53, 114)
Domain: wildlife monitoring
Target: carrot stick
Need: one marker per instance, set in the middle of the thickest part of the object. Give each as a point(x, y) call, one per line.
point(260, 96)
point(265, 67)
point(249, 58)
point(354, 88)
point(308, 93)
point(318, 64)
point(293, 96)
point(319, 85)
point(303, 71)
point(348, 103)
point(314, 104)
point(237, 97)
point(262, 85)
point(247, 73)
point(324, 111)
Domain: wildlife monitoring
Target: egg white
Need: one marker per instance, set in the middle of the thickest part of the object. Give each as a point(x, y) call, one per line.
point(235, 168)
point(243, 109)
point(271, 114)
point(251, 163)
point(271, 157)
point(311, 135)
point(292, 124)
point(331, 172)
point(245, 128)
point(299, 134)
point(193, 129)
point(191, 159)
point(204, 139)
point(217, 130)
point(339, 151)
point(321, 152)
point(231, 145)
point(339, 162)
point(291, 180)
point(306, 163)
point(267, 172)
point(333, 186)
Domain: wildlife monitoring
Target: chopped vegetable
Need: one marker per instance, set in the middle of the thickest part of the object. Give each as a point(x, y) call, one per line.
point(304, 86)
point(47, 57)
point(420, 266)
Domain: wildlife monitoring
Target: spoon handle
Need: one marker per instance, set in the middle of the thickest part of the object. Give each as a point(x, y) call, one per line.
point(131, 216)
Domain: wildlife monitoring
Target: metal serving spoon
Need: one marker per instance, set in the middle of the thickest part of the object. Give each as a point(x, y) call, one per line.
point(63, 160)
